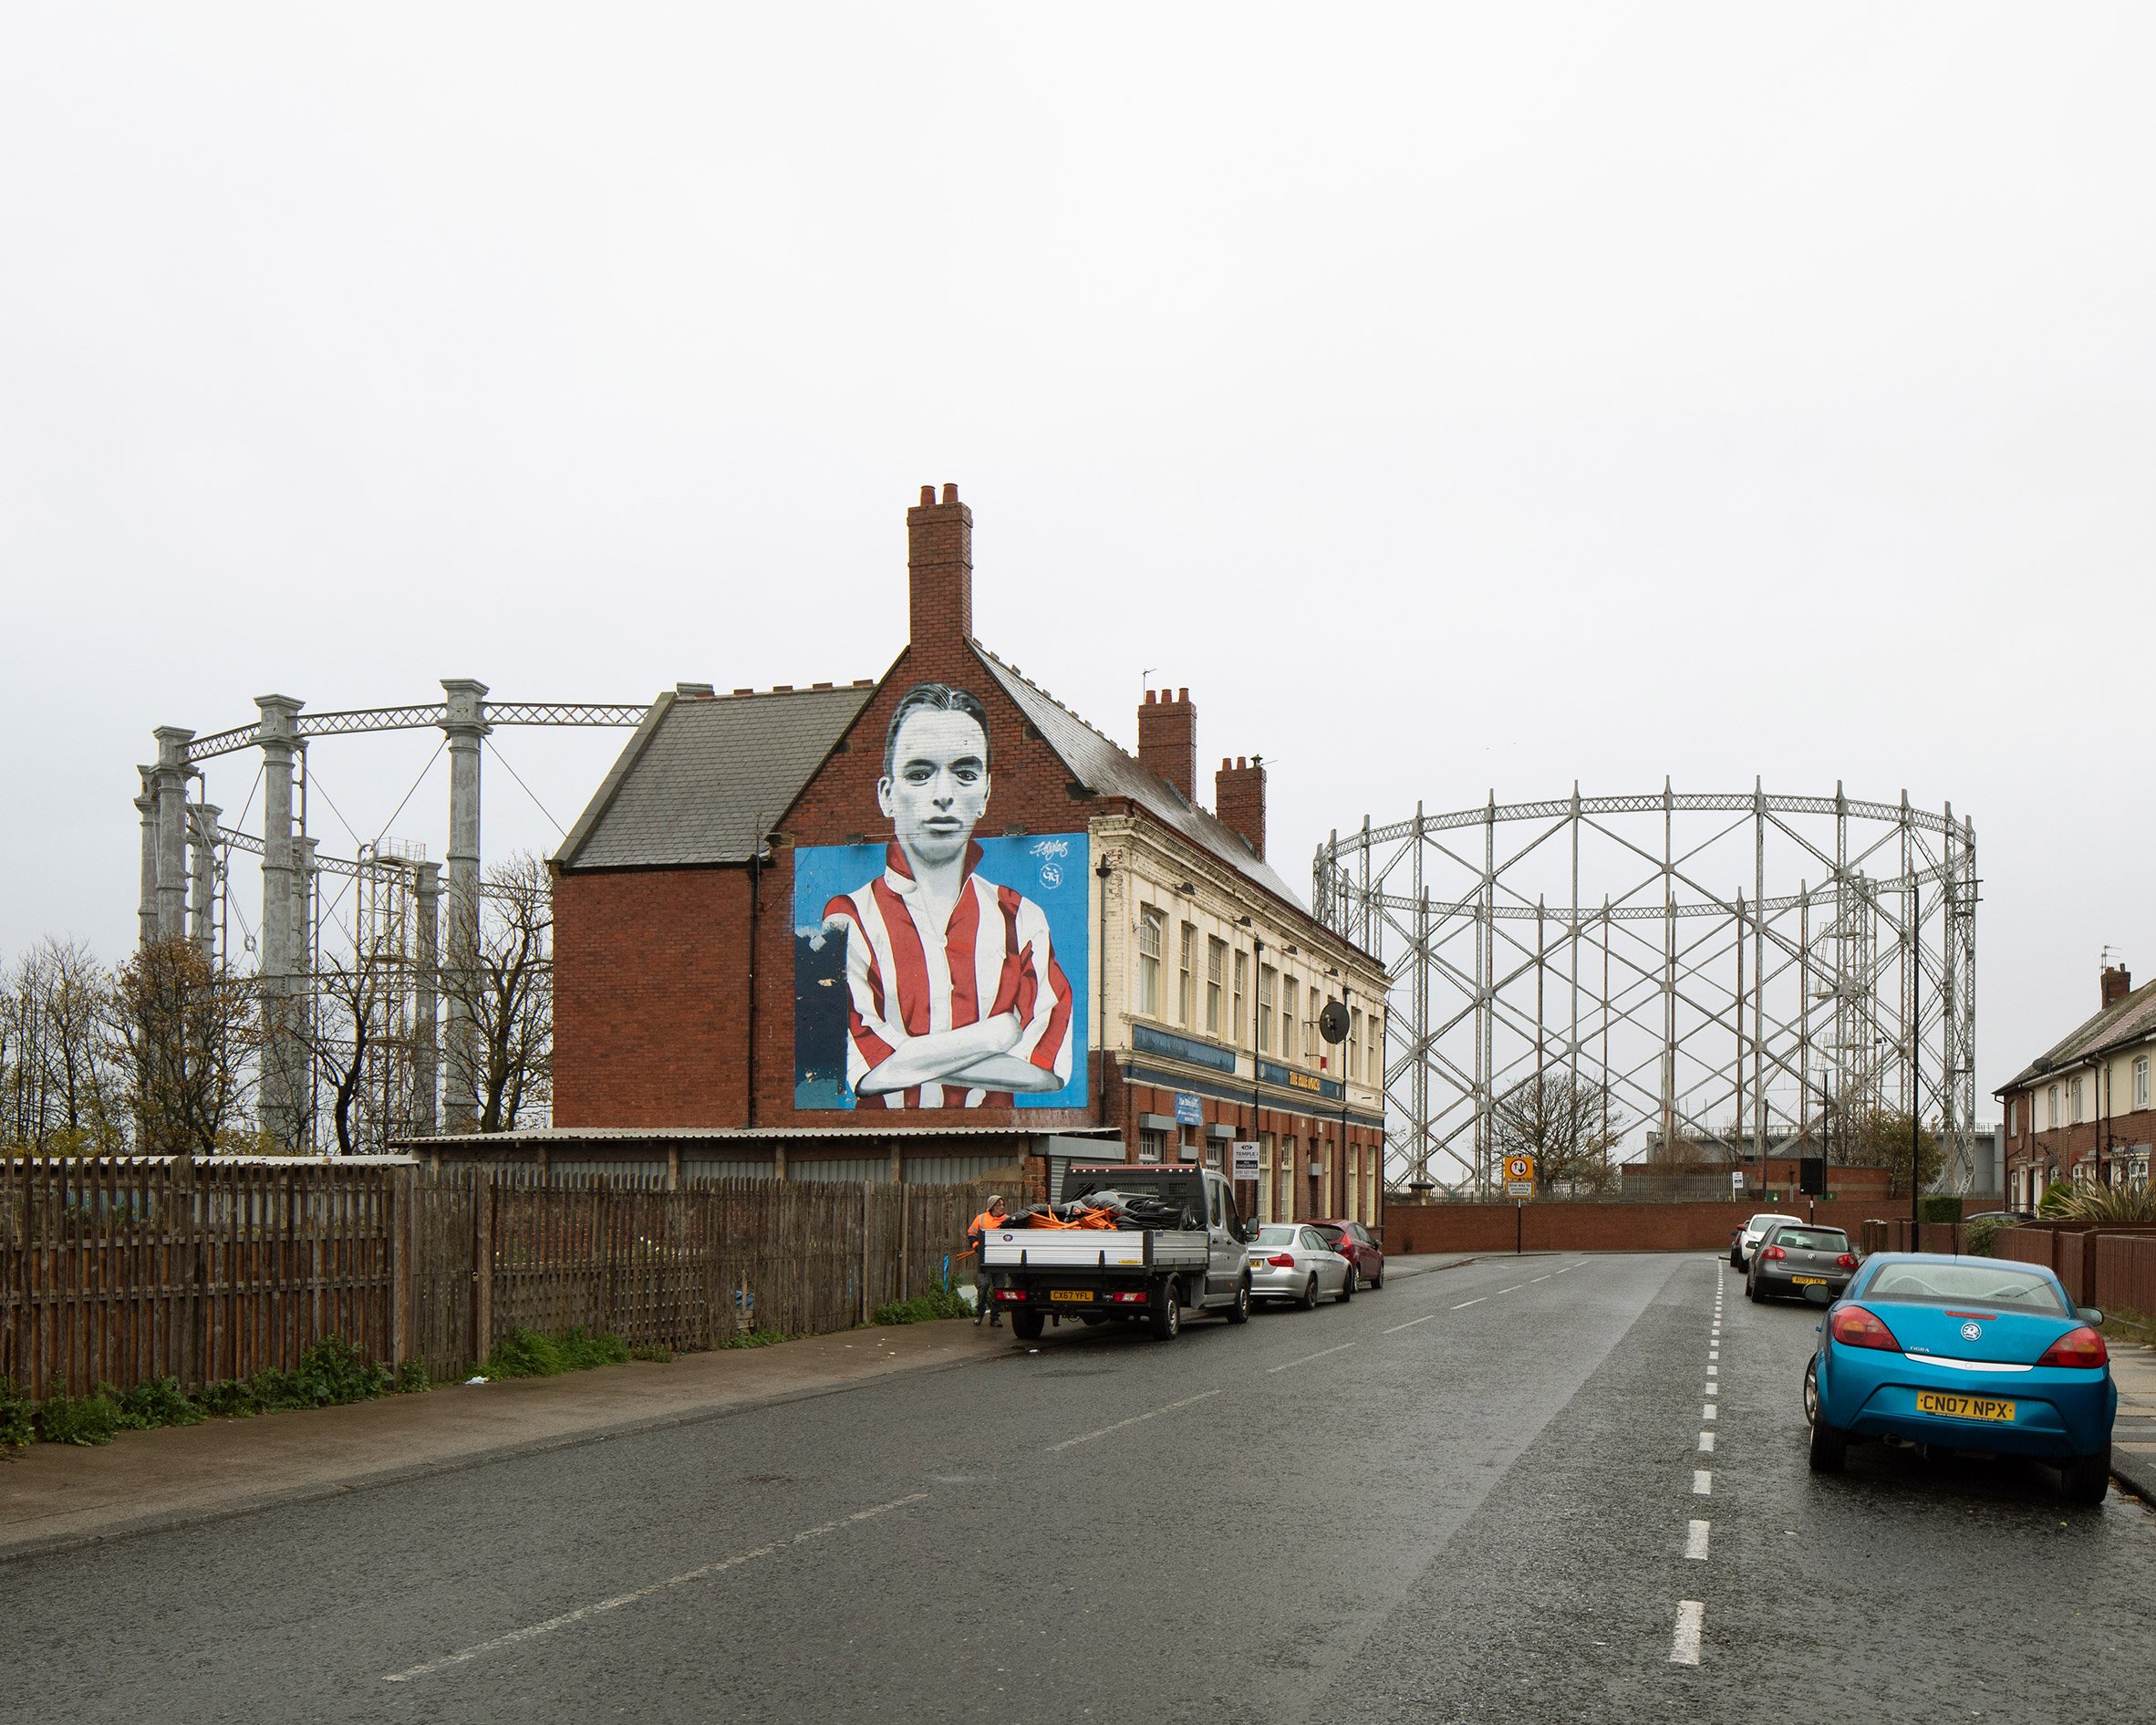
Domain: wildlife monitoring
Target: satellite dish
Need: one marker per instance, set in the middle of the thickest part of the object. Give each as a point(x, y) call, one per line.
point(1332, 1022)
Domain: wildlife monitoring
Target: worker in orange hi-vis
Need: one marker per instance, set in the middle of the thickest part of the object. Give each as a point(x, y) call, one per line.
point(983, 1292)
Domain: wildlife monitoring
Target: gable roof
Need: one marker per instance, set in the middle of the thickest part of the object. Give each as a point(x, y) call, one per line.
point(2129, 1019)
point(704, 778)
point(1101, 766)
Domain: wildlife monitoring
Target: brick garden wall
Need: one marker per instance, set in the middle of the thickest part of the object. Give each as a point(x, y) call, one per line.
point(1547, 1226)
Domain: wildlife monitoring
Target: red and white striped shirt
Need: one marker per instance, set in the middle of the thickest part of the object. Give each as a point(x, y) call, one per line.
point(992, 956)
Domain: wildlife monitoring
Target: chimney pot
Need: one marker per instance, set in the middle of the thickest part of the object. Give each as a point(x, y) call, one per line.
point(950, 493)
point(927, 496)
point(1182, 694)
point(2117, 984)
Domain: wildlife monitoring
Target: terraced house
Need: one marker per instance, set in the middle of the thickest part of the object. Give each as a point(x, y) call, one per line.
point(2082, 1110)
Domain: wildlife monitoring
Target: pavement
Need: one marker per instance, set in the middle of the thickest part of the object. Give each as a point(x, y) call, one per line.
point(2133, 1437)
point(56, 1496)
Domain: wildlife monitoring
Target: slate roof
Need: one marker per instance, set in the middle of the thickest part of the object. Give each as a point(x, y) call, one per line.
point(2129, 1020)
point(704, 779)
point(1101, 766)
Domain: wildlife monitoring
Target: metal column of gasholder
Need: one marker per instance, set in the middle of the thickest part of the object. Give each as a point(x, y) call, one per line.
point(465, 726)
point(172, 831)
point(278, 736)
point(202, 838)
point(426, 961)
point(146, 905)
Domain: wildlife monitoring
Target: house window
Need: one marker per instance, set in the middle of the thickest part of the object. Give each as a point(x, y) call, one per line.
point(1151, 1145)
point(1266, 974)
point(2140, 1082)
point(1355, 1203)
point(2051, 1106)
point(1355, 1045)
point(1242, 961)
point(1151, 926)
point(1378, 1050)
point(2074, 1100)
point(1186, 979)
point(2013, 1115)
point(1216, 979)
point(1288, 1000)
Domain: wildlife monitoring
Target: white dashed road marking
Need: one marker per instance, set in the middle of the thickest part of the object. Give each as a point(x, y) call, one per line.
point(1541, 1278)
point(1706, 1443)
point(1703, 1483)
point(1684, 1648)
point(618, 1600)
point(1714, 1389)
point(1707, 1412)
point(1409, 1324)
point(1477, 1300)
point(1696, 1542)
point(1515, 1288)
point(1323, 1353)
point(1136, 1420)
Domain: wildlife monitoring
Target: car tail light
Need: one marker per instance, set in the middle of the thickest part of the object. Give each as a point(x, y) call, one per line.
point(1131, 1296)
point(1015, 1294)
point(1848, 1261)
point(1856, 1327)
point(2080, 1347)
point(1282, 1261)
point(1774, 1252)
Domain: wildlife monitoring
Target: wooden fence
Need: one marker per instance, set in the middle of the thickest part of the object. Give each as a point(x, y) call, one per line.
point(112, 1273)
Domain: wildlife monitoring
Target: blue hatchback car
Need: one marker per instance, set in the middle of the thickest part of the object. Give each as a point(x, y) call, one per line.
point(1976, 1354)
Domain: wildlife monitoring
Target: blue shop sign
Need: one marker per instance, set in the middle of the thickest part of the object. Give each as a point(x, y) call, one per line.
point(1189, 1110)
point(1287, 1078)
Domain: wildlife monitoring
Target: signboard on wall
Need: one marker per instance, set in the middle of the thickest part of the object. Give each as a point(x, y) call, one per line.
point(1245, 1158)
point(939, 969)
point(1189, 1109)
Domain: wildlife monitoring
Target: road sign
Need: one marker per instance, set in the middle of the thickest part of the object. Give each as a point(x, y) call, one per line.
point(1519, 1188)
point(1245, 1158)
point(1518, 1168)
point(1737, 1181)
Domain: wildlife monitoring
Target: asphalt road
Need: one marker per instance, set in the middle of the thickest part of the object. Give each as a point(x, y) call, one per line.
point(1480, 1495)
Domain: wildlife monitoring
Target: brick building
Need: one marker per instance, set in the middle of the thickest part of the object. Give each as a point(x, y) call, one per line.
point(2082, 1110)
point(770, 956)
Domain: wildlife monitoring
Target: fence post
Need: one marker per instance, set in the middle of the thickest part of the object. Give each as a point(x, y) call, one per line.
point(483, 1262)
point(402, 1200)
point(866, 1239)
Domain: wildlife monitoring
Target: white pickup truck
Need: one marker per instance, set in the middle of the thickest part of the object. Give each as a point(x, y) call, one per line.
point(1127, 1275)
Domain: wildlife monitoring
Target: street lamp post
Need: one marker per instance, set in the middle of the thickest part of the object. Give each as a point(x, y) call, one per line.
point(1916, 977)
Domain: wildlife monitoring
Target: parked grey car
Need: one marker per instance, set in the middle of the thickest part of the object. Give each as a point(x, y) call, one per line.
point(1745, 1240)
point(1794, 1256)
point(1292, 1261)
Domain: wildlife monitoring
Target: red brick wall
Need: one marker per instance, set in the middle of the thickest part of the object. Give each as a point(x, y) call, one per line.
point(651, 998)
point(1546, 1226)
point(1239, 798)
point(1167, 739)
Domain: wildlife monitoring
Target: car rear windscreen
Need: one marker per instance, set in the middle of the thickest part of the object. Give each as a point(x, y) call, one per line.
point(1966, 1284)
point(1812, 1239)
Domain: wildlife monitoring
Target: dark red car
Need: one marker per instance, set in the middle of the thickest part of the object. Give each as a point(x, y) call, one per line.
point(1357, 1244)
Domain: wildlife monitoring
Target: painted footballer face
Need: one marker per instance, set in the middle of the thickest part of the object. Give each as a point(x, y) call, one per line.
point(938, 788)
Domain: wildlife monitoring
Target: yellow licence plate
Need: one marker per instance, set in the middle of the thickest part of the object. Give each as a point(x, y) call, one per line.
point(1933, 1401)
point(1808, 1281)
point(1070, 1294)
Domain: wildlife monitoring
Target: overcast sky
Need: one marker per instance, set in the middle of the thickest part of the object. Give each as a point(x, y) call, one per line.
point(1453, 397)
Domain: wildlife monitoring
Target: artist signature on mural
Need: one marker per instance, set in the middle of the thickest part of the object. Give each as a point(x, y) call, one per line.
point(1050, 851)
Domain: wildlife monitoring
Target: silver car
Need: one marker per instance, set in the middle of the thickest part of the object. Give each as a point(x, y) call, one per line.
point(1748, 1237)
point(1291, 1261)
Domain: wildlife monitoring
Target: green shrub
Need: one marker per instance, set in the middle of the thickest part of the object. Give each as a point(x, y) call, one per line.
point(2057, 1196)
point(157, 1401)
point(228, 1397)
point(527, 1354)
point(1977, 1237)
point(18, 1418)
point(756, 1338)
point(83, 1420)
point(652, 1351)
point(923, 1308)
point(1939, 1206)
point(412, 1377)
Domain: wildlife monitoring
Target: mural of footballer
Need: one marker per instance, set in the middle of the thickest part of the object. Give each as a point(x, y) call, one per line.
point(956, 997)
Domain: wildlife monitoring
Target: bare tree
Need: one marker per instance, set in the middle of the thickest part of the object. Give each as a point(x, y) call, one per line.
point(1566, 1124)
point(184, 1033)
point(350, 1000)
point(1879, 1138)
point(508, 997)
point(58, 1091)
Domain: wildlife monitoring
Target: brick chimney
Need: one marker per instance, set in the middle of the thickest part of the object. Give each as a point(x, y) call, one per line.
point(2117, 984)
point(1167, 739)
point(1239, 798)
point(939, 567)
